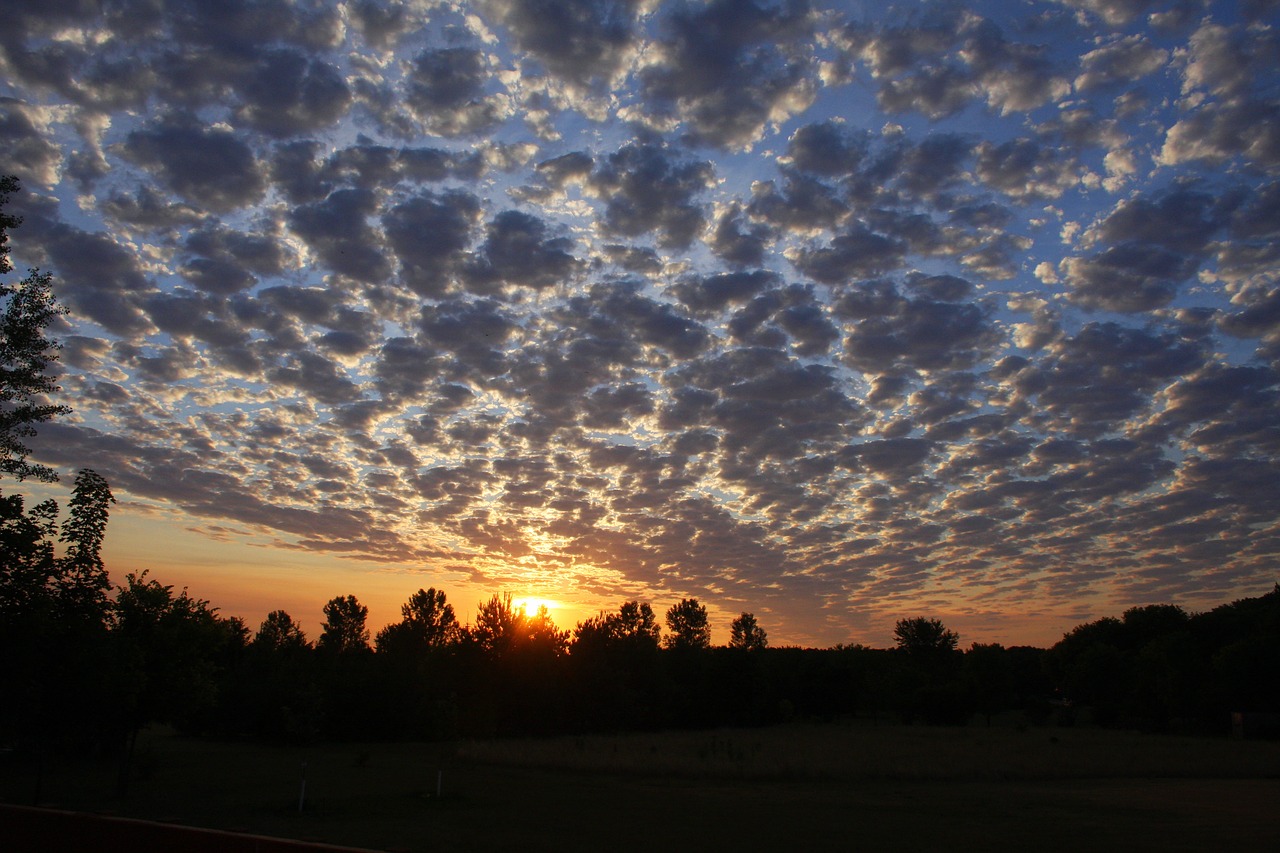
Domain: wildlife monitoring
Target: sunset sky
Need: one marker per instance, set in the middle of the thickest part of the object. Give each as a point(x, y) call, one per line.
point(832, 312)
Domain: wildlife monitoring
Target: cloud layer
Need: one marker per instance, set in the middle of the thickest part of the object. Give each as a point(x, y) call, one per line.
point(798, 308)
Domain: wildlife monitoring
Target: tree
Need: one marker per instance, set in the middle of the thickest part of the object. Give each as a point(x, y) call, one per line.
point(633, 626)
point(687, 622)
point(499, 624)
point(82, 582)
point(543, 635)
point(26, 310)
point(745, 633)
point(27, 563)
point(925, 637)
point(168, 655)
point(279, 633)
point(428, 622)
point(344, 631)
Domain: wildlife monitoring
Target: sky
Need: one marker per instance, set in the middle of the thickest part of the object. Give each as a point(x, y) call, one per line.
point(837, 313)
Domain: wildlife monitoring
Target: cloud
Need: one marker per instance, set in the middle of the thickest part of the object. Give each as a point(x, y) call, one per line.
point(289, 94)
point(583, 41)
point(729, 68)
point(800, 306)
point(206, 165)
point(30, 155)
point(648, 190)
point(447, 90)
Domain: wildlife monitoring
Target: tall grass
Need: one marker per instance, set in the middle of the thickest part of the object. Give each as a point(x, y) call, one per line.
point(906, 753)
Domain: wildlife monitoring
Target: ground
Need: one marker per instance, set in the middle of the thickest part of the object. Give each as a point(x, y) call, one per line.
point(801, 787)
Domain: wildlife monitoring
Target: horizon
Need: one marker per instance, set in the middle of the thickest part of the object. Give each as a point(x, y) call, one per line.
point(826, 312)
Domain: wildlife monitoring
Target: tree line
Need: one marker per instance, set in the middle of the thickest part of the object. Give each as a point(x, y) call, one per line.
point(88, 665)
point(89, 671)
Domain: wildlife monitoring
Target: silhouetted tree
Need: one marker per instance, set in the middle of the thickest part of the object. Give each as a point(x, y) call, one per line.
point(81, 583)
point(279, 633)
point(633, 626)
point(169, 652)
point(746, 633)
point(417, 669)
point(614, 659)
point(925, 637)
point(27, 563)
point(989, 676)
point(343, 630)
point(26, 310)
point(278, 682)
point(687, 622)
point(428, 622)
point(544, 637)
point(500, 625)
point(346, 670)
point(928, 683)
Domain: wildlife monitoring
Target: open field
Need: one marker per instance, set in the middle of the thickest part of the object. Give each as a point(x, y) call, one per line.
point(817, 788)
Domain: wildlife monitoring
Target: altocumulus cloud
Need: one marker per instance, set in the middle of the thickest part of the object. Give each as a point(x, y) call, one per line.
point(831, 313)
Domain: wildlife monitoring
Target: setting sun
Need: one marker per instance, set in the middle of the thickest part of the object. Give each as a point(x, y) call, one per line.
point(531, 605)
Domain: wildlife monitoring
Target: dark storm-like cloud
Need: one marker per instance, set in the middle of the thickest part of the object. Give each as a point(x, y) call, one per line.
point(621, 310)
point(1120, 62)
point(97, 276)
point(317, 377)
point(27, 153)
point(517, 250)
point(1128, 277)
point(1095, 381)
point(857, 253)
point(1157, 243)
point(713, 293)
point(288, 93)
point(736, 241)
point(337, 229)
point(829, 149)
point(299, 171)
point(1024, 169)
point(926, 168)
point(149, 208)
point(448, 91)
point(474, 333)
point(889, 331)
point(223, 261)
point(582, 41)
point(940, 67)
point(382, 24)
point(764, 402)
point(206, 165)
point(802, 204)
point(646, 189)
point(429, 233)
point(731, 66)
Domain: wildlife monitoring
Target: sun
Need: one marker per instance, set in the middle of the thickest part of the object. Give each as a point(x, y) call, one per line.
point(531, 604)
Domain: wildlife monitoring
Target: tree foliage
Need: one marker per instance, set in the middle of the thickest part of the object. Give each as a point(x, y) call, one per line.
point(427, 622)
point(27, 308)
point(924, 637)
point(745, 633)
point(279, 633)
point(688, 627)
point(633, 626)
point(344, 630)
point(82, 581)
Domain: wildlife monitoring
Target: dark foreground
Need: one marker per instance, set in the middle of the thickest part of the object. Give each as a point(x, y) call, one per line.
point(833, 788)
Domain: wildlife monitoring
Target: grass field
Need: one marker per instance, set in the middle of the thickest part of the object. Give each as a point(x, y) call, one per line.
point(792, 788)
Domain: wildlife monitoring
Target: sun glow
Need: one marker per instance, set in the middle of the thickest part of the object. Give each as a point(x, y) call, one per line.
point(531, 605)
